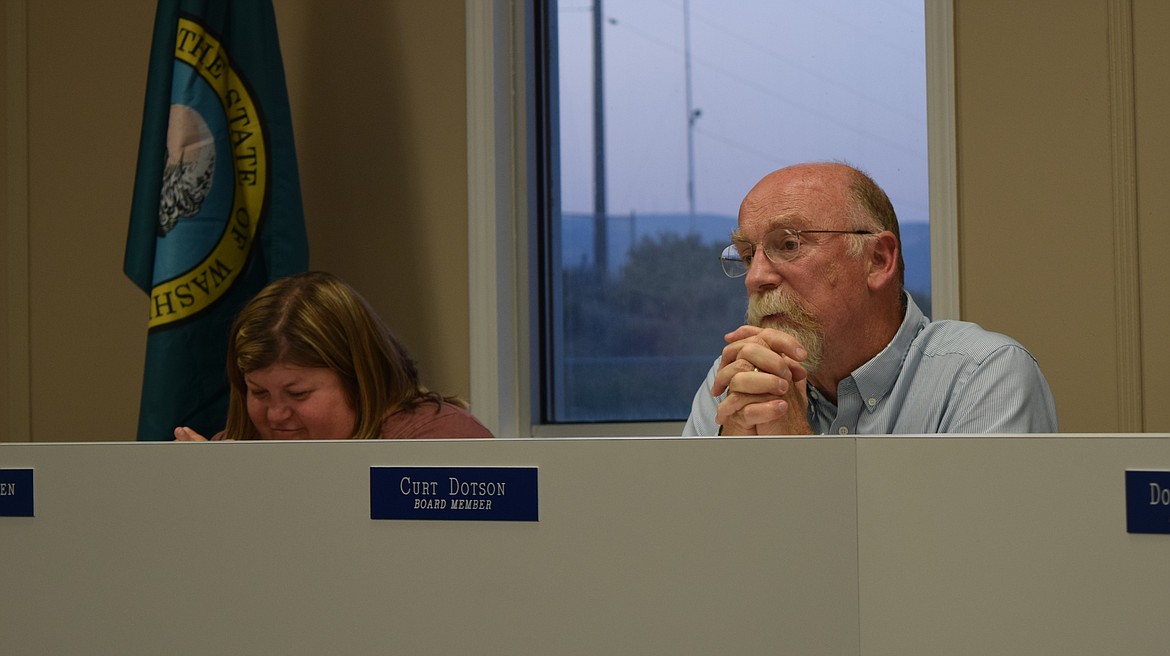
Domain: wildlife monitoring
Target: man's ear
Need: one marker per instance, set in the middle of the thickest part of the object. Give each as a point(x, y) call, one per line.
point(883, 260)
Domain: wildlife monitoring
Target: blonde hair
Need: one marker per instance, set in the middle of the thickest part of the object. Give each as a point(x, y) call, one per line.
point(314, 319)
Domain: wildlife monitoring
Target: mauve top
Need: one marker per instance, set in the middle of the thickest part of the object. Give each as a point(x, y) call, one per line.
point(424, 421)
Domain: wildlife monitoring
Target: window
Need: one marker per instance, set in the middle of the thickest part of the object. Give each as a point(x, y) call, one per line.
point(699, 99)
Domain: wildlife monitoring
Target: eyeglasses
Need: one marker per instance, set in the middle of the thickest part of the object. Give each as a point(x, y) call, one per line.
point(782, 245)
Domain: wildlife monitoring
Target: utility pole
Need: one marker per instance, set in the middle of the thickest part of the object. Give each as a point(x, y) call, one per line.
point(600, 243)
point(692, 113)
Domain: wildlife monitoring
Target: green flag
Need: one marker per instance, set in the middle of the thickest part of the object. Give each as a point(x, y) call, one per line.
point(217, 203)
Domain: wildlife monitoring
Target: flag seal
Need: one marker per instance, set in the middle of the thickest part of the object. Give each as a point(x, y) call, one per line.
point(206, 129)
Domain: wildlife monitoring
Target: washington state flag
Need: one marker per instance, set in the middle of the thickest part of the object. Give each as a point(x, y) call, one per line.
point(217, 204)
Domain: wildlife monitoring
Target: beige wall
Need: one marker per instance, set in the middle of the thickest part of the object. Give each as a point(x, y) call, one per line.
point(5, 196)
point(378, 96)
point(1151, 52)
point(1051, 238)
point(379, 113)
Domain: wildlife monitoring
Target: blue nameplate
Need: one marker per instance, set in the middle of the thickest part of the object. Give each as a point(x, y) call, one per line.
point(454, 493)
point(1147, 501)
point(16, 493)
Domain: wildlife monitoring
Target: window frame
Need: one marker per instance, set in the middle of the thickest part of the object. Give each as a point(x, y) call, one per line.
point(504, 197)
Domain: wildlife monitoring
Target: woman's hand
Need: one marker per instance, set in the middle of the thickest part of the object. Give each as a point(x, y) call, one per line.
point(184, 434)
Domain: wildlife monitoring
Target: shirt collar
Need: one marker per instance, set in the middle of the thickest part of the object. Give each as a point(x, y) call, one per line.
point(876, 378)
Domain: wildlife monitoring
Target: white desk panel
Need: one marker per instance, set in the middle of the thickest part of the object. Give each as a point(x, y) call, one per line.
point(1008, 545)
point(644, 546)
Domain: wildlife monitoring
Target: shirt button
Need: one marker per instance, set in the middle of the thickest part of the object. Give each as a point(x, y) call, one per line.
point(871, 402)
point(843, 430)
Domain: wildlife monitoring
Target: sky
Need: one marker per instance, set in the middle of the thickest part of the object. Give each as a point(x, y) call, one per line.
point(775, 82)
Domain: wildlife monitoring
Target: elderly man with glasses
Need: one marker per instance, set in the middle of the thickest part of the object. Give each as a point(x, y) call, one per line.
point(834, 344)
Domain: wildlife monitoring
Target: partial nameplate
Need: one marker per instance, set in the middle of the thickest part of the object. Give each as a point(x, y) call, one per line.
point(16, 493)
point(506, 494)
point(1147, 501)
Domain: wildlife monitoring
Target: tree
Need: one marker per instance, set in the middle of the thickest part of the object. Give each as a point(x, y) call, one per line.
point(647, 336)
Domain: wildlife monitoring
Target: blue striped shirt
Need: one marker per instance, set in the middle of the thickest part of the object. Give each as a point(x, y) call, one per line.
point(934, 377)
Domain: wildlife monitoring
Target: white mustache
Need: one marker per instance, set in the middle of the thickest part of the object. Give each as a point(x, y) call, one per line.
point(779, 301)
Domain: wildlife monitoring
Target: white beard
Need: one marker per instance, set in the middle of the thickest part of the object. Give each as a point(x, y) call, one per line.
point(785, 313)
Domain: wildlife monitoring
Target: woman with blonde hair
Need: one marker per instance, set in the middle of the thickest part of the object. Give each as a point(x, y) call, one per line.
point(309, 359)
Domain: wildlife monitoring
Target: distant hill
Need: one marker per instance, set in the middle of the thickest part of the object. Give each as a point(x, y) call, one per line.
point(623, 231)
